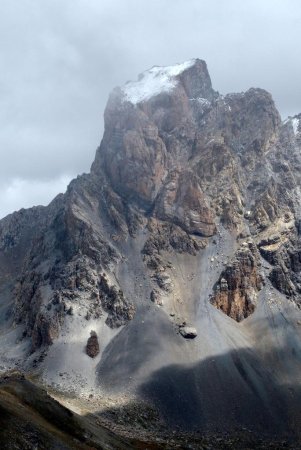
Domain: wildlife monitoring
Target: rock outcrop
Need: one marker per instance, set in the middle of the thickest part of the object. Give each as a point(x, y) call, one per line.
point(283, 252)
point(182, 202)
point(92, 347)
point(236, 290)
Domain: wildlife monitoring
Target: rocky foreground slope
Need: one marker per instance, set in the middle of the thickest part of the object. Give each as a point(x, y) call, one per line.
point(170, 274)
point(31, 419)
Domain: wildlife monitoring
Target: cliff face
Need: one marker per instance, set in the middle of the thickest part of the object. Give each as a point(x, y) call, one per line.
point(189, 219)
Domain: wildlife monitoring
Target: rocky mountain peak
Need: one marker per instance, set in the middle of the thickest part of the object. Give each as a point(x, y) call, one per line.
point(170, 123)
point(187, 227)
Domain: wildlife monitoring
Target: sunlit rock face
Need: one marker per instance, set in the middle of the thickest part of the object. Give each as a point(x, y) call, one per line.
point(180, 250)
point(236, 291)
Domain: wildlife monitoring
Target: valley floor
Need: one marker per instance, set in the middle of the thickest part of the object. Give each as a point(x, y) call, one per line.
point(141, 425)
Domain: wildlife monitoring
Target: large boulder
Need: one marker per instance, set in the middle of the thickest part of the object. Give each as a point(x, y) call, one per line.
point(92, 348)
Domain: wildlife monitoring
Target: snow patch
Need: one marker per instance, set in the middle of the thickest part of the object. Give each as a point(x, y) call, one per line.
point(154, 81)
point(203, 101)
point(295, 124)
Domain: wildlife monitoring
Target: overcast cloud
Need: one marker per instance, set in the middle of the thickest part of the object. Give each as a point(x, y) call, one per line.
point(59, 60)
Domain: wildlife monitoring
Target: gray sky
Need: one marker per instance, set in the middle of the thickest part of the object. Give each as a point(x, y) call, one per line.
point(59, 60)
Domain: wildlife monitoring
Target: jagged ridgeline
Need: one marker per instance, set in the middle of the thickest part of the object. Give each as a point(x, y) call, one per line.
point(171, 272)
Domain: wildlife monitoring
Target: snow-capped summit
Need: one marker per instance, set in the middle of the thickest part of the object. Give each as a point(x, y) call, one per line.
point(154, 81)
point(158, 79)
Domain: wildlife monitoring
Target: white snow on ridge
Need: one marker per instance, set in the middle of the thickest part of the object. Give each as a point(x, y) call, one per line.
point(295, 123)
point(153, 81)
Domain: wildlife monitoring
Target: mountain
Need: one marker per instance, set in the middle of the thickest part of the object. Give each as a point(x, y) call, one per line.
point(169, 276)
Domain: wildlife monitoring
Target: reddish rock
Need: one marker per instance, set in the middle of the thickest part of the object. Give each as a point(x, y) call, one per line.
point(92, 347)
point(237, 288)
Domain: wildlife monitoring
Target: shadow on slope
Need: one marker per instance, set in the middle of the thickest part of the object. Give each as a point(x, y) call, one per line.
point(220, 393)
point(226, 393)
point(230, 401)
point(257, 388)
